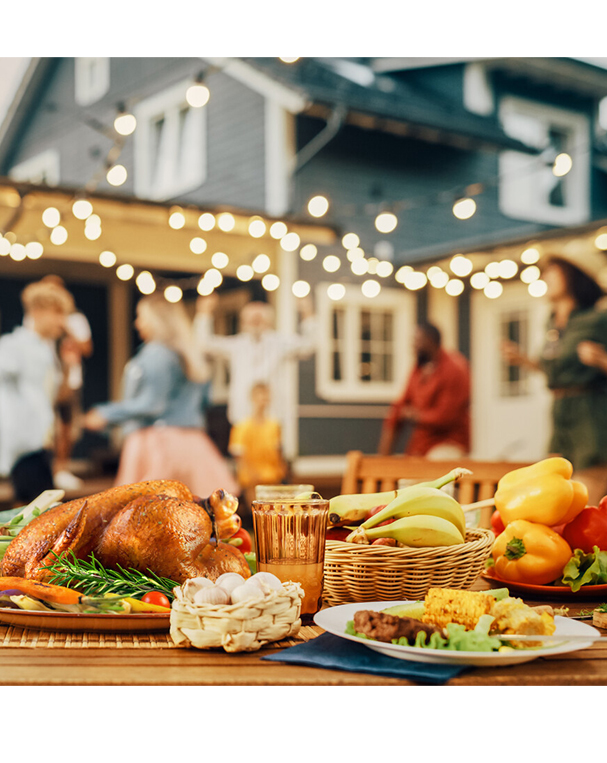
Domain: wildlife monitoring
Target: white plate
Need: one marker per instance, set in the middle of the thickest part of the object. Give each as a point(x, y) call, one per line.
point(334, 620)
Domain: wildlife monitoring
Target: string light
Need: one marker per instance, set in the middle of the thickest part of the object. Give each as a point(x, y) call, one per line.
point(479, 280)
point(58, 235)
point(336, 291)
point(384, 269)
point(508, 269)
point(492, 269)
point(5, 246)
point(601, 241)
point(257, 228)
point(213, 277)
point(463, 209)
point(278, 230)
point(355, 254)
point(562, 165)
point(220, 260)
point(226, 222)
point(454, 287)
point(34, 250)
point(530, 274)
point(308, 252)
point(300, 289)
point(261, 263)
point(244, 272)
point(198, 94)
point(206, 221)
point(125, 122)
point(386, 222)
point(460, 265)
point(318, 206)
point(290, 242)
point(51, 217)
point(82, 208)
point(176, 219)
point(198, 245)
point(372, 265)
point(401, 272)
point(270, 282)
point(173, 293)
point(370, 288)
point(125, 272)
point(438, 280)
point(116, 175)
point(530, 256)
point(359, 266)
point(145, 282)
point(289, 60)
point(350, 241)
point(107, 259)
point(331, 263)
point(414, 280)
point(493, 290)
point(17, 252)
point(537, 288)
point(205, 288)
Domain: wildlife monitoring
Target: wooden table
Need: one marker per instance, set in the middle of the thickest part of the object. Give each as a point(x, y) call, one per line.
point(40, 658)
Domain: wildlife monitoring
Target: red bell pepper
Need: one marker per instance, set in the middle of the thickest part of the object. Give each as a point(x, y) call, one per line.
point(589, 528)
point(497, 524)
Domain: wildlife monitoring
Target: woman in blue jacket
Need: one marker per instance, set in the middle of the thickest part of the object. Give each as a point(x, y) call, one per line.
point(166, 388)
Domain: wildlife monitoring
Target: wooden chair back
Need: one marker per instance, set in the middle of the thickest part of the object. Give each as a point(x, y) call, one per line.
point(374, 474)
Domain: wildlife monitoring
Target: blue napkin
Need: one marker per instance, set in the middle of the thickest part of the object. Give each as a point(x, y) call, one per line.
point(334, 653)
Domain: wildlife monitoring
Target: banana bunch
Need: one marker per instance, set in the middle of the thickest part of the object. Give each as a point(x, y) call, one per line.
point(422, 516)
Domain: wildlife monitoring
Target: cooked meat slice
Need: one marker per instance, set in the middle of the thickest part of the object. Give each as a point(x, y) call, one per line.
point(384, 627)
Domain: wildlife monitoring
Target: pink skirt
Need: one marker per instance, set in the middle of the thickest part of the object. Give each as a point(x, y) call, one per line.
point(175, 453)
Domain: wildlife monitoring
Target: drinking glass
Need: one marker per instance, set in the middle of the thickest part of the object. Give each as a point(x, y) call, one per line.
point(280, 492)
point(290, 543)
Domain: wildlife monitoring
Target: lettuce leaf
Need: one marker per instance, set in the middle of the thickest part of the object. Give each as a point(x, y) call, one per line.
point(585, 569)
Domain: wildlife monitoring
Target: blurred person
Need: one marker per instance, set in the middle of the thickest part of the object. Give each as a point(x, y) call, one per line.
point(435, 403)
point(30, 375)
point(166, 387)
point(574, 362)
point(257, 353)
point(255, 443)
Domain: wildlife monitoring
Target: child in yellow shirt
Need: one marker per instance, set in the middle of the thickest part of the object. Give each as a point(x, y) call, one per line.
point(255, 443)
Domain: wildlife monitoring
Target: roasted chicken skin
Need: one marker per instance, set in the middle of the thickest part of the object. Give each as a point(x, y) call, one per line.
point(77, 526)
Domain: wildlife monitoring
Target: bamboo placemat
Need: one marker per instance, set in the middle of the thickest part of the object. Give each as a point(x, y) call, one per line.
point(30, 638)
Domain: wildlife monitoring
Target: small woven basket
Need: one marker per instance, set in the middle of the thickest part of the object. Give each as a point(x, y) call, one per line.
point(354, 572)
point(243, 627)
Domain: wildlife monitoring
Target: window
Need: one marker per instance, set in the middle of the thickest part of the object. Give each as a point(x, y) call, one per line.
point(514, 327)
point(92, 79)
point(170, 155)
point(528, 188)
point(369, 344)
point(42, 168)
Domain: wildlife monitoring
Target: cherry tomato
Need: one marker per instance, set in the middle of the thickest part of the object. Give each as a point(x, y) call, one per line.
point(242, 540)
point(157, 598)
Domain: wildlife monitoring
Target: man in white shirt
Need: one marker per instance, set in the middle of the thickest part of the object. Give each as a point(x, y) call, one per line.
point(30, 375)
point(257, 353)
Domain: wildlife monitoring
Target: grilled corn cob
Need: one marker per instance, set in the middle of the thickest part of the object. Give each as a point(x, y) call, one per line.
point(446, 605)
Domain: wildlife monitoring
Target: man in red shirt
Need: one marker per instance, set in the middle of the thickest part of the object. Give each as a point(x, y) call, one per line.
point(436, 402)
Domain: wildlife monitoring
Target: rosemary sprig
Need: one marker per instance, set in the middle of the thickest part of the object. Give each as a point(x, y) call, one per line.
point(93, 579)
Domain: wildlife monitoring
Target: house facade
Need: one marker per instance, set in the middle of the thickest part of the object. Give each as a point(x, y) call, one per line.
point(518, 141)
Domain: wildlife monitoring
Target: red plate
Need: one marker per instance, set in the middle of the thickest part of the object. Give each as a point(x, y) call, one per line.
point(548, 591)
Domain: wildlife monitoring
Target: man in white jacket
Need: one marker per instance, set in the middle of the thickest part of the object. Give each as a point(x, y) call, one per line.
point(257, 353)
point(30, 374)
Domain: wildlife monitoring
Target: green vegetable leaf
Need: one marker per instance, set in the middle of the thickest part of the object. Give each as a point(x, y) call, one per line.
point(585, 569)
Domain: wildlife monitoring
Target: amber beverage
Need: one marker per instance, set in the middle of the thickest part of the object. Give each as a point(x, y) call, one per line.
point(290, 543)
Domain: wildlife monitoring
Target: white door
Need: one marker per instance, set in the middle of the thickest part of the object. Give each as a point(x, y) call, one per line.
point(510, 407)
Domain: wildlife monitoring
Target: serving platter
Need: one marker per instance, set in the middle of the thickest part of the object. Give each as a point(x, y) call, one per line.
point(547, 591)
point(335, 619)
point(141, 622)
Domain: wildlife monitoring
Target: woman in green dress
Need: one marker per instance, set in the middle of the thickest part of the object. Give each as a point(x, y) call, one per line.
point(574, 361)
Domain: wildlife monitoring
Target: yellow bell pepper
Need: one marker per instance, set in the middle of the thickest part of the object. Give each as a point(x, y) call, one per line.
point(141, 606)
point(543, 492)
point(527, 552)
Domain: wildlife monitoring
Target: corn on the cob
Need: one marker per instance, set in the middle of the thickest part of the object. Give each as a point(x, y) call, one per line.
point(446, 605)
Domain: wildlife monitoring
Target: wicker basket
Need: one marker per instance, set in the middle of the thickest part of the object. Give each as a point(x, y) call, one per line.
point(355, 572)
point(243, 627)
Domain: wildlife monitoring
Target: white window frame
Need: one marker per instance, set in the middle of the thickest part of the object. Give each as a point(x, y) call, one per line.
point(167, 104)
point(32, 170)
point(351, 389)
point(90, 89)
point(521, 174)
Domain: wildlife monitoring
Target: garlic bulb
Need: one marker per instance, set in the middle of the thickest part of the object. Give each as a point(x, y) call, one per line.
point(193, 585)
point(249, 590)
point(213, 594)
point(268, 579)
point(229, 581)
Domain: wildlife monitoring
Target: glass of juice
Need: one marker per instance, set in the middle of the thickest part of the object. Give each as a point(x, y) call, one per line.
point(272, 492)
point(290, 543)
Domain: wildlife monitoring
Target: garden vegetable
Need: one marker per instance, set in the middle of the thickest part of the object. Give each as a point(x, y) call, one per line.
point(528, 552)
point(588, 529)
point(543, 492)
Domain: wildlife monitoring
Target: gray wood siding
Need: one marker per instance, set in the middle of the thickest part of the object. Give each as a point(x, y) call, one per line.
point(234, 141)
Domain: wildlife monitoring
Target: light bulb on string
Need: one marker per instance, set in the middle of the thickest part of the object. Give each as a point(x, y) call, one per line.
point(198, 245)
point(214, 277)
point(205, 288)
point(454, 287)
point(479, 280)
point(359, 266)
point(176, 218)
point(460, 265)
point(336, 291)
point(562, 165)
point(308, 252)
point(530, 256)
point(530, 273)
point(508, 269)
point(220, 260)
point(350, 241)
point(17, 252)
point(318, 206)
point(125, 272)
point(438, 280)
point(492, 269)
point(34, 250)
point(601, 241)
point(257, 228)
point(173, 293)
point(289, 60)
point(244, 272)
point(537, 288)
point(370, 288)
point(82, 208)
point(226, 222)
point(331, 263)
point(399, 276)
point(145, 282)
point(5, 247)
point(463, 209)
point(125, 122)
point(116, 175)
point(355, 254)
point(206, 221)
point(261, 263)
point(270, 282)
point(198, 94)
point(290, 242)
point(493, 290)
point(300, 289)
point(415, 280)
point(384, 268)
point(278, 230)
point(51, 217)
point(386, 222)
point(58, 235)
point(107, 259)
